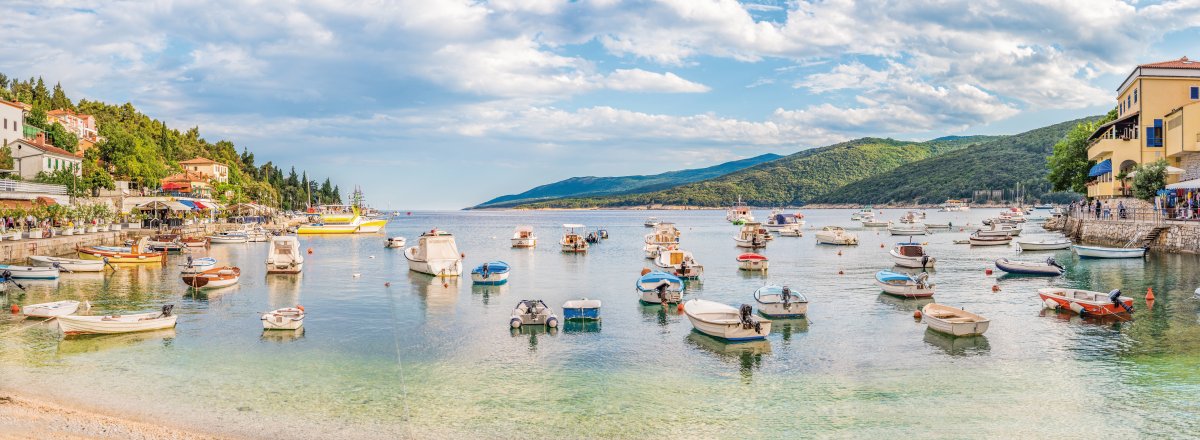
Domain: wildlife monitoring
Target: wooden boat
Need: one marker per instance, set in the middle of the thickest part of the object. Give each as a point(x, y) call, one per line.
point(229, 238)
point(30, 272)
point(394, 243)
point(197, 265)
point(984, 240)
point(109, 324)
point(658, 287)
point(214, 278)
point(165, 242)
point(780, 302)
point(138, 253)
point(952, 321)
point(50, 309)
point(999, 230)
point(1108, 252)
point(581, 309)
point(1086, 302)
point(285, 257)
point(68, 264)
point(288, 318)
point(523, 237)
point(571, 240)
point(1049, 267)
point(752, 261)
point(899, 284)
point(911, 255)
point(679, 262)
point(651, 222)
point(750, 236)
point(532, 312)
point(492, 273)
point(1046, 244)
point(195, 242)
point(916, 228)
point(726, 322)
point(835, 235)
point(435, 254)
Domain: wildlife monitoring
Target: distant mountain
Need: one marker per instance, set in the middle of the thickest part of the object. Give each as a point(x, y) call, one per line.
point(997, 164)
point(792, 180)
point(598, 186)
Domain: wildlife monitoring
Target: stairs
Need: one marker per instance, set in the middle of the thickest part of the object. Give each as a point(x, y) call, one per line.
point(1153, 235)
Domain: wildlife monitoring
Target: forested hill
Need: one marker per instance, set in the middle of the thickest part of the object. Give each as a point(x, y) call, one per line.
point(142, 149)
point(792, 180)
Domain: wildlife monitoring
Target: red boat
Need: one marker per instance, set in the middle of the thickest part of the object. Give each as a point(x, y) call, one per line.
point(752, 261)
point(1085, 302)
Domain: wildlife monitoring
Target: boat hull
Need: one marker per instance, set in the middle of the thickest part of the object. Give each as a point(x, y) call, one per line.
point(441, 267)
point(905, 291)
point(912, 262)
point(908, 231)
point(779, 310)
point(50, 310)
point(754, 265)
point(71, 264)
point(83, 325)
point(952, 322)
point(371, 226)
point(284, 268)
point(524, 242)
point(986, 241)
point(728, 329)
point(749, 244)
point(581, 310)
point(836, 239)
point(1020, 268)
point(31, 272)
point(1039, 246)
point(327, 229)
point(1083, 302)
point(491, 279)
point(217, 239)
point(1103, 252)
point(283, 319)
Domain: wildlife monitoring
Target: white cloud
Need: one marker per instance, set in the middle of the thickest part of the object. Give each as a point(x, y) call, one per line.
point(635, 80)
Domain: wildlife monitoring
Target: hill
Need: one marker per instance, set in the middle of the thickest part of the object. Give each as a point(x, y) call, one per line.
point(598, 186)
point(998, 164)
point(791, 180)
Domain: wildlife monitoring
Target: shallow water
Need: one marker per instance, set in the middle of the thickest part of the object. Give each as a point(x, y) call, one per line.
point(422, 359)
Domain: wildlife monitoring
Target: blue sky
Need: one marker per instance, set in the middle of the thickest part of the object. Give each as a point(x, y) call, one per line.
point(444, 104)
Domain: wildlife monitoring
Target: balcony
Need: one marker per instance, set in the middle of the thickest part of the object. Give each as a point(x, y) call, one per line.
point(1108, 144)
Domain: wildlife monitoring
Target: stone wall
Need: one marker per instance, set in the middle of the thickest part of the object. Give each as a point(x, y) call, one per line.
point(1180, 237)
point(18, 251)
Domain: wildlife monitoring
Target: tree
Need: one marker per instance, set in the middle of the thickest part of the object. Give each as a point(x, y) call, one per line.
point(41, 95)
point(1150, 178)
point(1069, 163)
point(36, 118)
point(61, 138)
point(59, 100)
point(6, 158)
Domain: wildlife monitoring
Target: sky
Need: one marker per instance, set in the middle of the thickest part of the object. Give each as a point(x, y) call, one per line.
point(442, 104)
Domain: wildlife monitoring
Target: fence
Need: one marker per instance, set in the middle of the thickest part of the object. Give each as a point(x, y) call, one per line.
point(1144, 215)
point(27, 187)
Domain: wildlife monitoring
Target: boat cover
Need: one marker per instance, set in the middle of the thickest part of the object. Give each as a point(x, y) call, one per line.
point(492, 267)
point(657, 276)
point(751, 256)
point(887, 276)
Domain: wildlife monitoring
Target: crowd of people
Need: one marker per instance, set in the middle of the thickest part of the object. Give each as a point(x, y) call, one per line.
point(1168, 204)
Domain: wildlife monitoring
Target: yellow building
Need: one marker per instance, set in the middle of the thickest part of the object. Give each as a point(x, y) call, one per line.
point(1156, 119)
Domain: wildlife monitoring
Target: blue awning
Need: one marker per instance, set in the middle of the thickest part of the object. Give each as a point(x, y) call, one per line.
point(1101, 168)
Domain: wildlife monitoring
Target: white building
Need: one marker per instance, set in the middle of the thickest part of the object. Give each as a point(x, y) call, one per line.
point(12, 122)
point(31, 157)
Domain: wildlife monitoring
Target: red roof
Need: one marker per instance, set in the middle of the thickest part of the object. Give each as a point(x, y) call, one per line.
point(1182, 63)
point(197, 161)
point(41, 144)
point(13, 104)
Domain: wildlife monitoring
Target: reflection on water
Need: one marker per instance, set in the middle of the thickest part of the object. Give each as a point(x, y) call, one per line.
point(438, 294)
point(581, 326)
point(283, 290)
point(661, 314)
point(748, 355)
point(282, 336)
point(904, 304)
point(1112, 321)
point(533, 332)
point(957, 346)
point(73, 345)
point(486, 292)
point(788, 327)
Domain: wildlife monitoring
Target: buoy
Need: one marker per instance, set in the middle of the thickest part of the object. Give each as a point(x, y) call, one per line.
point(645, 271)
point(409, 213)
point(679, 307)
point(300, 307)
point(387, 284)
point(310, 250)
point(987, 271)
point(841, 272)
point(995, 287)
point(445, 285)
point(371, 257)
point(16, 309)
point(463, 255)
point(881, 245)
point(917, 314)
point(839, 253)
point(1149, 294)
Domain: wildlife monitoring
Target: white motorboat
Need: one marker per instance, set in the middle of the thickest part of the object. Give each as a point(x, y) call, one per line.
point(1049, 267)
point(394, 243)
point(898, 284)
point(739, 213)
point(228, 238)
point(652, 250)
point(651, 222)
point(911, 255)
point(751, 236)
point(666, 233)
point(285, 257)
point(915, 228)
point(999, 229)
point(523, 237)
point(946, 225)
point(50, 309)
point(792, 230)
point(952, 321)
point(869, 221)
point(288, 318)
point(109, 324)
point(435, 254)
point(955, 205)
point(30, 272)
point(836, 235)
point(679, 262)
point(532, 312)
point(572, 241)
point(68, 264)
point(658, 287)
point(780, 302)
point(492, 273)
point(257, 235)
point(778, 220)
point(989, 240)
point(1045, 244)
point(752, 261)
point(862, 212)
point(726, 322)
point(1108, 252)
point(197, 265)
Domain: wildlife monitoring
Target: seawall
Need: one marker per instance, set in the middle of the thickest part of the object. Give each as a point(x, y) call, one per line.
point(1176, 236)
point(18, 251)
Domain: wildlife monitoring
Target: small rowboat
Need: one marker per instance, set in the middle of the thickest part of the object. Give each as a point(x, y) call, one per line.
point(30, 272)
point(198, 265)
point(213, 278)
point(1050, 267)
point(492, 273)
point(780, 302)
point(912, 255)
point(137, 322)
point(288, 318)
point(165, 242)
point(581, 309)
point(999, 230)
point(1048, 244)
point(532, 312)
point(952, 321)
point(1086, 302)
point(907, 229)
point(68, 264)
point(985, 240)
point(135, 254)
point(902, 285)
point(752, 261)
point(658, 287)
point(1107, 252)
point(726, 322)
point(195, 242)
point(50, 310)
point(394, 242)
point(228, 237)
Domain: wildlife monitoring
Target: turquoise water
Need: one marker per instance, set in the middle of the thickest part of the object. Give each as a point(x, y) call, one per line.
point(420, 359)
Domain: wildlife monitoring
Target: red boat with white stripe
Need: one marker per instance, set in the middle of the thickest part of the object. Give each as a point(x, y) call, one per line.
point(1086, 302)
point(752, 261)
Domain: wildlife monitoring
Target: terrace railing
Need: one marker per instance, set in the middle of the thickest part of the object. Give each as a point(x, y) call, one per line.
point(7, 185)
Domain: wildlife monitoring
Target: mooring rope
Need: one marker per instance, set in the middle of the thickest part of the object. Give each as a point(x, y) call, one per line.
point(400, 365)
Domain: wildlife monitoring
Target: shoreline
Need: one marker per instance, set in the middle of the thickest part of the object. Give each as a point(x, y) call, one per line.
point(37, 418)
point(720, 208)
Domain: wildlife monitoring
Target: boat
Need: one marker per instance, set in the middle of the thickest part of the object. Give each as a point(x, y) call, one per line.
point(492, 273)
point(285, 257)
point(999, 229)
point(214, 278)
point(752, 261)
point(603, 233)
point(902, 285)
point(911, 228)
point(1049, 267)
point(946, 225)
point(1013, 215)
point(792, 230)
point(287, 318)
point(751, 236)
point(257, 235)
point(197, 265)
point(1108, 252)
point(739, 213)
point(523, 237)
point(869, 221)
point(532, 312)
point(780, 302)
point(988, 240)
point(139, 253)
point(571, 241)
point(679, 262)
point(1086, 302)
point(1045, 244)
point(581, 309)
point(651, 222)
point(110, 324)
point(165, 242)
point(592, 237)
point(652, 250)
point(667, 232)
point(911, 255)
point(50, 309)
point(1044, 206)
point(952, 321)
point(194, 242)
point(658, 287)
point(835, 235)
point(435, 254)
point(858, 215)
point(342, 219)
point(30, 272)
point(955, 205)
point(394, 243)
point(228, 237)
point(726, 322)
point(778, 220)
point(68, 264)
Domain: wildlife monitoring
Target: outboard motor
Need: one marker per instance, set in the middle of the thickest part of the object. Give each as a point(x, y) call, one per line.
point(786, 297)
point(920, 279)
point(1115, 297)
point(924, 261)
point(662, 292)
point(1052, 262)
point(166, 310)
point(744, 315)
point(189, 261)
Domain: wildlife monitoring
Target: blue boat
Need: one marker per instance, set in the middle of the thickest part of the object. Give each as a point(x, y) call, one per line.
point(582, 309)
point(492, 273)
point(658, 287)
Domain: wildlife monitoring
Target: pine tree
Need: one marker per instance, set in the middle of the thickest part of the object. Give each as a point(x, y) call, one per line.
point(41, 96)
point(59, 100)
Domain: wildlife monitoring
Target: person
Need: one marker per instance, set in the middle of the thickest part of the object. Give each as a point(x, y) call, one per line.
point(1121, 209)
point(1097, 209)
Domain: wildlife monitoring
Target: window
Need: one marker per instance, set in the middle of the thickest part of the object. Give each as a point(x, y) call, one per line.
point(1135, 96)
point(1154, 134)
point(1195, 92)
point(1122, 105)
point(1127, 104)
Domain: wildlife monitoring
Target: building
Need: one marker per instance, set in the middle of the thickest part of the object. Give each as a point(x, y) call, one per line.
point(1156, 119)
point(187, 184)
point(82, 126)
point(208, 168)
point(12, 122)
point(32, 156)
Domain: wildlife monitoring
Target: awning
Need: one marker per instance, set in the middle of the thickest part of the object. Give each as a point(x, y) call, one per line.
point(199, 205)
point(190, 204)
point(1171, 171)
point(1186, 184)
point(159, 205)
point(173, 185)
point(1101, 168)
